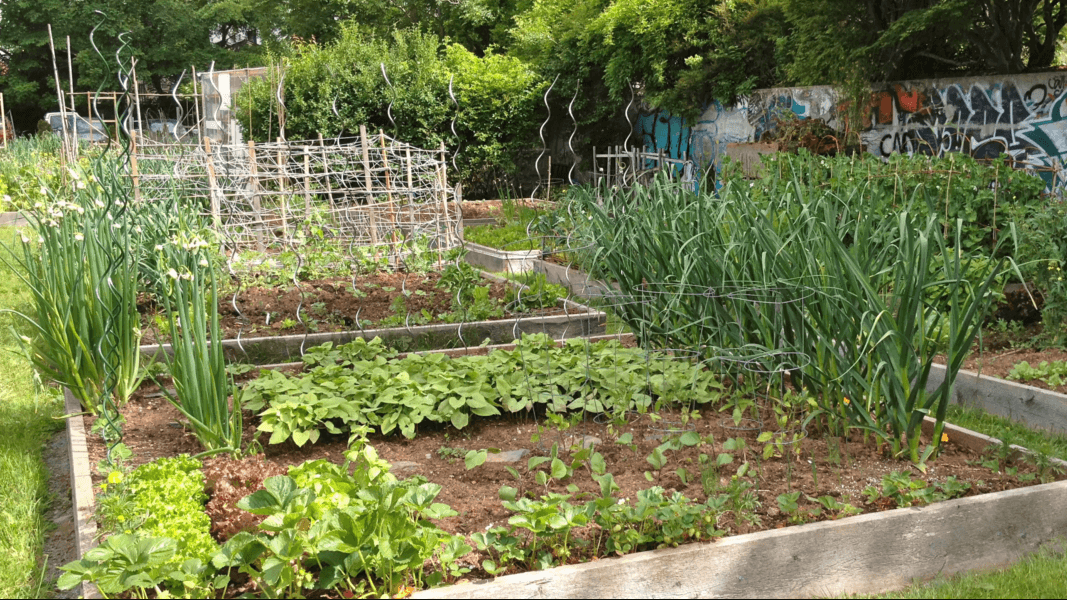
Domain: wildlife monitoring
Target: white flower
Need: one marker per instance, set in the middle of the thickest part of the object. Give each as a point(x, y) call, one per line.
point(79, 237)
point(7, 198)
point(159, 247)
point(203, 262)
point(187, 276)
point(80, 185)
point(25, 240)
point(44, 191)
point(99, 203)
point(173, 274)
point(81, 210)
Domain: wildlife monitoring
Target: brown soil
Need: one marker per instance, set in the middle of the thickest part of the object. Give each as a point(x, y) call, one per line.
point(999, 363)
point(152, 430)
point(330, 305)
point(999, 352)
point(491, 209)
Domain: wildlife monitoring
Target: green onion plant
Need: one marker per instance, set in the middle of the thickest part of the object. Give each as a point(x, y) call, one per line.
point(198, 367)
point(76, 260)
point(815, 283)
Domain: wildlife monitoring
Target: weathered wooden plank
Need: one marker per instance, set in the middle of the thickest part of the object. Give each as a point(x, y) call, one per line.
point(1026, 404)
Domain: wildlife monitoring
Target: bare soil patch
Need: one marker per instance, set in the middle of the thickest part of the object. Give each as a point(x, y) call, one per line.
point(327, 305)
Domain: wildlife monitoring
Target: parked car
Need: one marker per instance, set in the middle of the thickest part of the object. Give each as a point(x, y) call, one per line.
point(94, 131)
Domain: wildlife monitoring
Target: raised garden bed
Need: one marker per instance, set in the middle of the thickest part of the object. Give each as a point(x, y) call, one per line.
point(12, 219)
point(330, 312)
point(882, 549)
point(501, 261)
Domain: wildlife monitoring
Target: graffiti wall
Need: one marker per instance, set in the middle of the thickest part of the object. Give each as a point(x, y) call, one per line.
point(1022, 115)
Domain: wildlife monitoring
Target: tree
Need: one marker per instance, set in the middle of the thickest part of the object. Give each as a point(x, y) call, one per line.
point(166, 37)
point(902, 39)
point(680, 54)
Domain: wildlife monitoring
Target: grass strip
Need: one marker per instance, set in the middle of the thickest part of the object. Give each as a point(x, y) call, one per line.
point(976, 419)
point(26, 422)
point(1037, 576)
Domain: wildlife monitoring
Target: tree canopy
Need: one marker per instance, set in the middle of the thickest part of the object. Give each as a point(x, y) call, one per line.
point(674, 54)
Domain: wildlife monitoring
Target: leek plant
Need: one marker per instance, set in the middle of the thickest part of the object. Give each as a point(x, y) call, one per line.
point(76, 260)
point(197, 365)
point(817, 284)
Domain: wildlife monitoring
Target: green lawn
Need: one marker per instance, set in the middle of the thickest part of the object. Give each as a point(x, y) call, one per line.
point(26, 421)
point(1043, 575)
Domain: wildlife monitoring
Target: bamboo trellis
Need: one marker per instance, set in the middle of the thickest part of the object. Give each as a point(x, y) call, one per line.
point(370, 190)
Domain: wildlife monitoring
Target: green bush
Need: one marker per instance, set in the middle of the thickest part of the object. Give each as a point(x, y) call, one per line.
point(497, 97)
point(1043, 245)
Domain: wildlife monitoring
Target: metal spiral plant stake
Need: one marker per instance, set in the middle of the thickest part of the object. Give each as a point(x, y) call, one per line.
point(452, 126)
point(544, 145)
point(117, 249)
point(629, 132)
point(392, 98)
point(570, 140)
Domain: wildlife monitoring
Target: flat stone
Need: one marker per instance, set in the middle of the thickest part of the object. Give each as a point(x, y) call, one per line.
point(401, 465)
point(585, 441)
point(507, 457)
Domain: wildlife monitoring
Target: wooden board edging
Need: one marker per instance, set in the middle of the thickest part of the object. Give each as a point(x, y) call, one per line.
point(12, 219)
point(1032, 406)
point(578, 321)
point(81, 487)
point(500, 261)
point(868, 553)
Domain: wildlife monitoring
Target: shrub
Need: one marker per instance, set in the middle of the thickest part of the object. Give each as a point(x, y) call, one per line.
point(497, 96)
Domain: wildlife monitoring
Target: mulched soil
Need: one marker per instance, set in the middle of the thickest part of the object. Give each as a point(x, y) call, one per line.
point(153, 430)
point(326, 305)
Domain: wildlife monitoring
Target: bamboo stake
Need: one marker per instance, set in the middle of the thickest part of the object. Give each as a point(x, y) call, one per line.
point(411, 205)
point(388, 186)
point(326, 174)
point(372, 215)
point(444, 203)
point(133, 167)
point(548, 189)
point(196, 105)
point(307, 182)
point(136, 96)
point(59, 92)
point(70, 76)
point(213, 185)
point(283, 197)
point(257, 208)
point(3, 121)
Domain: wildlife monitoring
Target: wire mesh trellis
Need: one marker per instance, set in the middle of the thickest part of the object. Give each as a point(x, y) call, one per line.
point(371, 190)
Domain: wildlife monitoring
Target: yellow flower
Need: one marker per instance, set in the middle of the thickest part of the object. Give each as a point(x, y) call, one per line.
point(847, 401)
point(944, 437)
point(114, 477)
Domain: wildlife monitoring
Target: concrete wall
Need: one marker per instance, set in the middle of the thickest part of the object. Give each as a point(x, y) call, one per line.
point(1021, 115)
